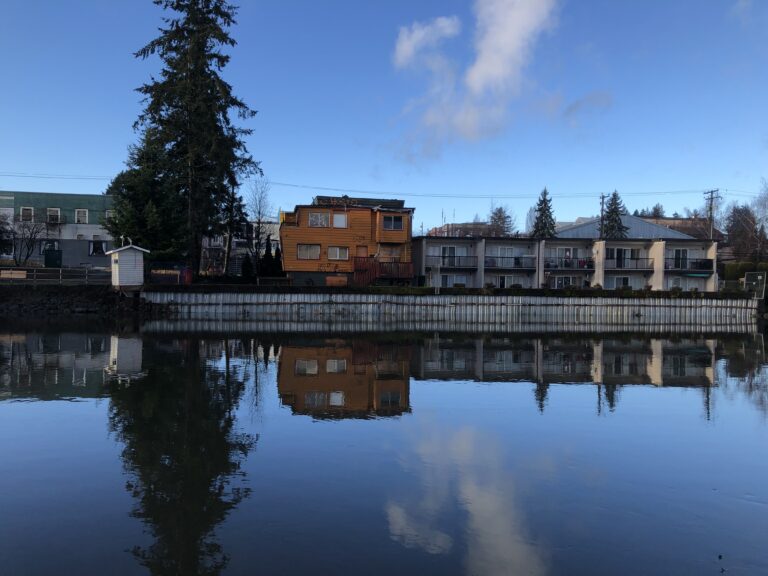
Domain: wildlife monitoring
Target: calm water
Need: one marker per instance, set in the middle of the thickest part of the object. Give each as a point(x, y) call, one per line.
point(138, 454)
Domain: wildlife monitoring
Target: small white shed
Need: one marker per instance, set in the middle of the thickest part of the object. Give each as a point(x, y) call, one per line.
point(127, 266)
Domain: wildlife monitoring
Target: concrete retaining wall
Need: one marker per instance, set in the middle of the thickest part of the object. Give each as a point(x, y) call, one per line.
point(464, 312)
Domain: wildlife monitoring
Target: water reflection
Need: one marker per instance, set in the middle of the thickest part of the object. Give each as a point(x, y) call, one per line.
point(183, 454)
point(464, 468)
point(447, 482)
point(336, 378)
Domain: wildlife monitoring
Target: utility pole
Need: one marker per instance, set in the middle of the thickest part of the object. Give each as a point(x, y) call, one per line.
point(711, 196)
point(602, 212)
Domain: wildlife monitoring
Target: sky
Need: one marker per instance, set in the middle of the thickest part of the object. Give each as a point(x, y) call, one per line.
point(454, 106)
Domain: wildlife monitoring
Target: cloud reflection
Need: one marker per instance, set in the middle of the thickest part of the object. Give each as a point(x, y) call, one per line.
point(461, 471)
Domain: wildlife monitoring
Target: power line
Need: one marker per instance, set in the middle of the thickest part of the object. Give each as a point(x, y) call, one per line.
point(523, 196)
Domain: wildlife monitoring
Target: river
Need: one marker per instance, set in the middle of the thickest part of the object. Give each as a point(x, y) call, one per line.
point(175, 453)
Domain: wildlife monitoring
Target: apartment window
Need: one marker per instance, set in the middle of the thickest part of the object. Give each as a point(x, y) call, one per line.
point(81, 216)
point(26, 214)
point(389, 399)
point(336, 399)
point(97, 248)
point(338, 253)
point(319, 219)
point(450, 280)
point(54, 215)
point(621, 282)
point(308, 252)
point(305, 367)
point(110, 214)
point(565, 281)
point(393, 222)
point(46, 245)
point(336, 366)
point(340, 220)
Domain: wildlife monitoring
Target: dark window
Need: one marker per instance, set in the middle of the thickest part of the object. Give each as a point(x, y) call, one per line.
point(97, 248)
point(393, 222)
point(48, 245)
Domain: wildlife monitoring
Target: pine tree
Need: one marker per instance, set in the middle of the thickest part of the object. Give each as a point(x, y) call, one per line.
point(187, 116)
point(612, 227)
point(278, 261)
point(268, 261)
point(544, 224)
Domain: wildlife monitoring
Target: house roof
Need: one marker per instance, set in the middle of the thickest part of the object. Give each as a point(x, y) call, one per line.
point(695, 227)
point(391, 204)
point(637, 229)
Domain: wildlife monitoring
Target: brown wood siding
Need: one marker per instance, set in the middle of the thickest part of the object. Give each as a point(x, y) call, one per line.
point(364, 228)
point(359, 383)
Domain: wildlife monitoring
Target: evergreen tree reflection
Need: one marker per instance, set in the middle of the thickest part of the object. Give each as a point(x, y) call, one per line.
point(182, 454)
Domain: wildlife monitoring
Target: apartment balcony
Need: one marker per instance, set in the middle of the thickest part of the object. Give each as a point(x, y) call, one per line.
point(510, 262)
point(629, 264)
point(701, 265)
point(584, 264)
point(459, 262)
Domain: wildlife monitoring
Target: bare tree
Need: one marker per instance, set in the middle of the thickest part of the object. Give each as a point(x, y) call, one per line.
point(24, 235)
point(760, 204)
point(260, 211)
point(501, 222)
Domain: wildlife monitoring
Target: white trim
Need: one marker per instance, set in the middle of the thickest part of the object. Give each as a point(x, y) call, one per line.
point(129, 247)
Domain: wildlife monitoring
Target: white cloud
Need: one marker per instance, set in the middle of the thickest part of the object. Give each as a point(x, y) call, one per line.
point(506, 31)
point(473, 103)
point(413, 39)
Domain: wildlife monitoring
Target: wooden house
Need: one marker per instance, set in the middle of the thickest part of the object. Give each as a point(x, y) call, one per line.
point(340, 241)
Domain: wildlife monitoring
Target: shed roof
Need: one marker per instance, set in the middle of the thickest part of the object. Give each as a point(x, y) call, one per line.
point(123, 248)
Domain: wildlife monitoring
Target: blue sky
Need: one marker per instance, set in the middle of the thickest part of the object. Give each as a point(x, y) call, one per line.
point(451, 105)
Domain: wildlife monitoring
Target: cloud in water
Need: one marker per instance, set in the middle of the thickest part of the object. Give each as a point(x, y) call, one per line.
point(471, 104)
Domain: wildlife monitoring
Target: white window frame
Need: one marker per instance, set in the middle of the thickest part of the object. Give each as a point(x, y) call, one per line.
point(305, 367)
point(48, 241)
point(338, 253)
point(393, 218)
point(336, 366)
point(343, 220)
point(91, 244)
point(53, 212)
point(336, 399)
point(109, 214)
point(319, 220)
point(31, 214)
point(78, 213)
point(314, 247)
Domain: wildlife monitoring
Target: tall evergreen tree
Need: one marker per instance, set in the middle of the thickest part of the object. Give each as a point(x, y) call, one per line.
point(187, 114)
point(544, 224)
point(612, 226)
point(268, 261)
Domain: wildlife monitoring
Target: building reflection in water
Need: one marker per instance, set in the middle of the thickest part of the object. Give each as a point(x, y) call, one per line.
point(336, 378)
point(609, 363)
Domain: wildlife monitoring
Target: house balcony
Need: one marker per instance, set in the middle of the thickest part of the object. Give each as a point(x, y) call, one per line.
point(510, 262)
point(629, 264)
point(569, 264)
point(700, 265)
point(369, 269)
point(459, 262)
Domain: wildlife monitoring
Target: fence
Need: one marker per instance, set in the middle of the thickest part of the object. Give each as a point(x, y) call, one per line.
point(55, 276)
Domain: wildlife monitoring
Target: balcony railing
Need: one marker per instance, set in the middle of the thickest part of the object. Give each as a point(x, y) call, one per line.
point(569, 263)
point(510, 262)
point(368, 270)
point(451, 261)
point(689, 264)
point(629, 264)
